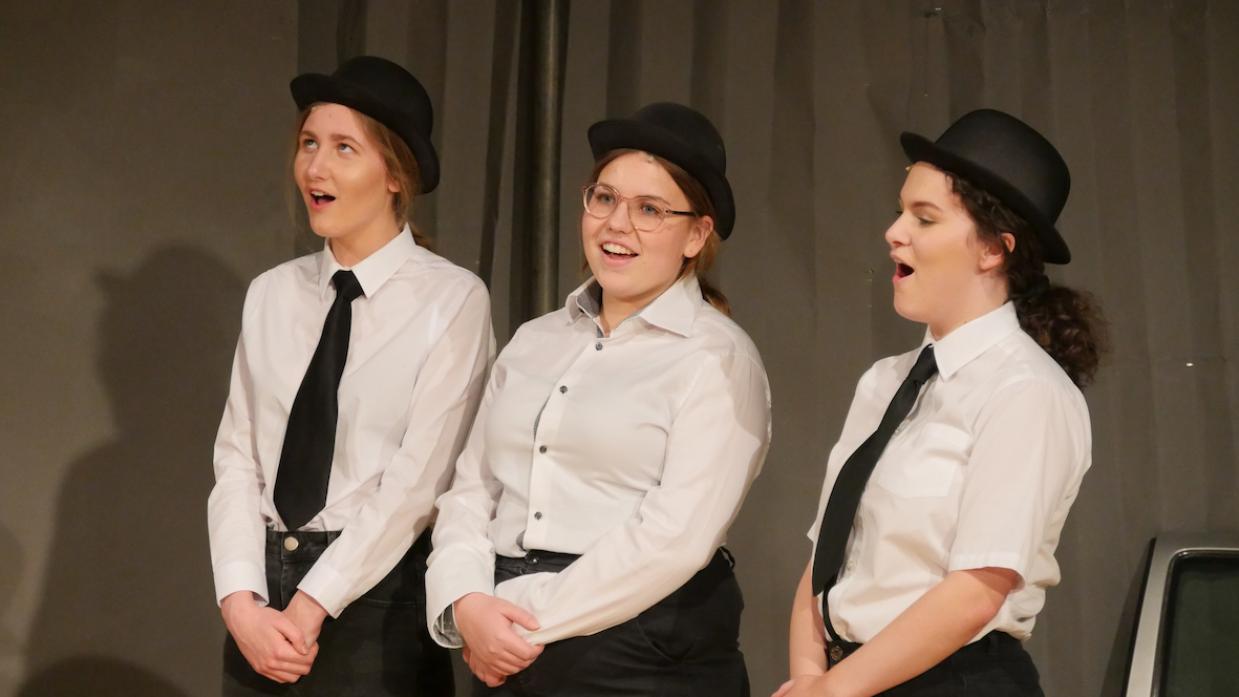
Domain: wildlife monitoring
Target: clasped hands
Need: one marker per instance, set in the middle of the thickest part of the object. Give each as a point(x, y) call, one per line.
point(493, 650)
point(280, 646)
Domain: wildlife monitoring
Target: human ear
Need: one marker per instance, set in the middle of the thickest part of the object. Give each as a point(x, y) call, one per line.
point(994, 251)
point(697, 236)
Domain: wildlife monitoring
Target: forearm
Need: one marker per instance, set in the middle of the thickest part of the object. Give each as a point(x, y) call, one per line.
point(806, 643)
point(935, 626)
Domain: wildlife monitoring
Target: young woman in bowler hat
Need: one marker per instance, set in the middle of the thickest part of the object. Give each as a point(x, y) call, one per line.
point(958, 462)
point(357, 373)
point(578, 551)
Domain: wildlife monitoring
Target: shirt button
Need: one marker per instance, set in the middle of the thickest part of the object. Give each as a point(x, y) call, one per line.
point(563, 389)
point(537, 515)
point(598, 346)
point(541, 448)
point(291, 544)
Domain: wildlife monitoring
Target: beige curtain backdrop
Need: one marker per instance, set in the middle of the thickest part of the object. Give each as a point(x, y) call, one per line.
point(145, 181)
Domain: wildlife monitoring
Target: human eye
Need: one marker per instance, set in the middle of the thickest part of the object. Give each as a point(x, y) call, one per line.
point(650, 208)
point(604, 197)
point(345, 148)
point(308, 144)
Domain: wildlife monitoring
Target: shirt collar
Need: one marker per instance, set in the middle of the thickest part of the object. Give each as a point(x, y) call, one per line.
point(674, 310)
point(958, 348)
point(373, 271)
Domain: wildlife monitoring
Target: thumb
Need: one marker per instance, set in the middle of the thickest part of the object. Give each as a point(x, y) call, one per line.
point(519, 616)
point(292, 633)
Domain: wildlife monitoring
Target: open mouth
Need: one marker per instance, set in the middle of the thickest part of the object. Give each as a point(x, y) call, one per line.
point(320, 197)
point(903, 270)
point(613, 250)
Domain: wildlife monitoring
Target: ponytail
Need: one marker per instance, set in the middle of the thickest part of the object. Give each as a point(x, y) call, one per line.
point(1066, 323)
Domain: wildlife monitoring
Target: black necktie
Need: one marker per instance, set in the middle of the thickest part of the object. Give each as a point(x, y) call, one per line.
point(310, 440)
point(844, 498)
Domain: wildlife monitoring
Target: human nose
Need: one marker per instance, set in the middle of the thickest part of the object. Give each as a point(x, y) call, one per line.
point(315, 164)
point(621, 216)
point(896, 235)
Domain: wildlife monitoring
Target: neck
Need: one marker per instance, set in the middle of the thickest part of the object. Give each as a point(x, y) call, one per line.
point(350, 250)
point(991, 296)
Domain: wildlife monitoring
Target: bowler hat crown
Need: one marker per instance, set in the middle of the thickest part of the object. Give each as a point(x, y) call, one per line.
point(680, 135)
point(385, 92)
point(1009, 159)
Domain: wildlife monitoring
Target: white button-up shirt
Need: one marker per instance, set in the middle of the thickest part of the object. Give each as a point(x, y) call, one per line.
point(633, 450)
point(981, 474)
point(419, 349)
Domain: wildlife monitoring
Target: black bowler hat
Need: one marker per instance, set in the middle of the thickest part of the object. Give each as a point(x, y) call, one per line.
point(386, 93)
point(1010, 160)
point(682, 136)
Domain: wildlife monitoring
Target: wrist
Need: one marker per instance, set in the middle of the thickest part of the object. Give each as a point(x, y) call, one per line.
point(234, 603)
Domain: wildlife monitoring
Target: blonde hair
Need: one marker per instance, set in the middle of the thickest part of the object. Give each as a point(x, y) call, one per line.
point(699, 202)
point(399, 162)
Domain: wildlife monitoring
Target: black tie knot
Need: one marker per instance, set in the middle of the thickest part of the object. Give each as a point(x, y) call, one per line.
point(926, 366)
point(347, 285)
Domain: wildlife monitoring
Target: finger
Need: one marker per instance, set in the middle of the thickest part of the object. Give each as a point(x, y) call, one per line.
point(519, 616)
point(298, 669)
point(290, 631)
point(513, 645)
point(289, 654)
point(280, 676)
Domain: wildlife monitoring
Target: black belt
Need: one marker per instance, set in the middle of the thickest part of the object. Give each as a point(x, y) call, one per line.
point(994, 642)
point(539, 560)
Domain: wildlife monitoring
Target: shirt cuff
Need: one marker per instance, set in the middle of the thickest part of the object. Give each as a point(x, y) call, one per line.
point(328, 587)
point(1001, 560)
point(452, 575)
point(240, 576)
point(443, 630)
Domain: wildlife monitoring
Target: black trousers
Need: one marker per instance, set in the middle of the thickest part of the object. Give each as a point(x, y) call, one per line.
point(378, 646)
point(996, 665)
point(687, 645)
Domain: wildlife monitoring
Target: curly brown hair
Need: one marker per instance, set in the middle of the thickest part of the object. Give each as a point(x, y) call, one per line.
point(1067, 323)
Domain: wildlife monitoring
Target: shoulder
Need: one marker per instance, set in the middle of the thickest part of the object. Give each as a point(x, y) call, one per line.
point(283, 279)
point(424, 265)
point(720, 335)
point(552, 324)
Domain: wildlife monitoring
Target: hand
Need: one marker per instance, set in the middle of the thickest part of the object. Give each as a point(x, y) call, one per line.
point(481, 671)
point(305, 612)
point(274, 647)
point(804, 686)
point(495, 649)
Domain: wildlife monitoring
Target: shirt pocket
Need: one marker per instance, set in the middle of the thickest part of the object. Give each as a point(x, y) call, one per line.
point(926, 464)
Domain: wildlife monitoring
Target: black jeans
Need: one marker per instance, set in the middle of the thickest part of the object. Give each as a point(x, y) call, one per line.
point(685, 645)
point(379, 644)
point(996, 665)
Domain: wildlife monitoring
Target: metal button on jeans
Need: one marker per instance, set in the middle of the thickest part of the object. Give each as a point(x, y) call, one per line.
point(291, 544)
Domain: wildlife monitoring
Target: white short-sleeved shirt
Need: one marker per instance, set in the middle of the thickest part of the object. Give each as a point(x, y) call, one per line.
point(633, 450)
point(419, 349)
point(981, 474)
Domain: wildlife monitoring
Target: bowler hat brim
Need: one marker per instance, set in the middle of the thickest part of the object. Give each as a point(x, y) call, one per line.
point(312, 88)
point(921, 149)
point(615, 134)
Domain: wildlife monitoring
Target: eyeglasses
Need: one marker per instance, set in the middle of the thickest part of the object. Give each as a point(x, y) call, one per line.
point(645, 212)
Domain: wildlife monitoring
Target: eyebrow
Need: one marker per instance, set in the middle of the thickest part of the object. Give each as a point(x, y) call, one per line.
point(330, 136)
point(656, 197)
point(923, 204)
